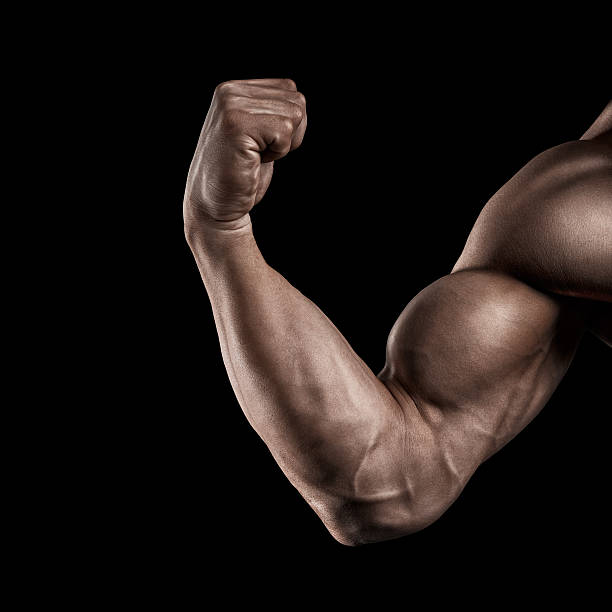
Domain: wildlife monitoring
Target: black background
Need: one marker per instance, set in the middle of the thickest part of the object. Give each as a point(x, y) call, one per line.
point(401, 153)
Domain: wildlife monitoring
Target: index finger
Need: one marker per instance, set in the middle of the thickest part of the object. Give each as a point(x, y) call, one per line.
point(287, 84)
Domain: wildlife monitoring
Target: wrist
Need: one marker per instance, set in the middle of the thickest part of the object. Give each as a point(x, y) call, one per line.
point(200, 226)
point(220, 248)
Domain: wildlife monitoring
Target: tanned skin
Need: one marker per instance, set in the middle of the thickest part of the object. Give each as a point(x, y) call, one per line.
point(471, 360)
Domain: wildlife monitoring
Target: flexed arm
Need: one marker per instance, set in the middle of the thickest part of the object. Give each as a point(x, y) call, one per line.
point(334, 428)
point(471, 360)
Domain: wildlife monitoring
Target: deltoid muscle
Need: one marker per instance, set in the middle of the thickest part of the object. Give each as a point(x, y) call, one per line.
point(471, 360)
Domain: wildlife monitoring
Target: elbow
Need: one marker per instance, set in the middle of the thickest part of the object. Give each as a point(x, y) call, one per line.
point(346, 535)
point(356, 524)
point(386, 509)
point(361, 532)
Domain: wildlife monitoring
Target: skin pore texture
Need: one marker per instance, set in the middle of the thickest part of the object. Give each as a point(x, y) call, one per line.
point(470, 361)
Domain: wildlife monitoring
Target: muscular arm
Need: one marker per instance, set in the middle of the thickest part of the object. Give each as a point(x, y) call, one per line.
point(333, 427)
point(471, 360)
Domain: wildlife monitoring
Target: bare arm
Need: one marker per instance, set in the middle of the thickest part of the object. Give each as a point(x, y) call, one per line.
point(331, 425)
point(380, 457)
point(471, 360)
point(329, 422)
point(360, 454)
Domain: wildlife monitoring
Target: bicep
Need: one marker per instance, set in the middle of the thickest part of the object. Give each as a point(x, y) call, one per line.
point(480, 353)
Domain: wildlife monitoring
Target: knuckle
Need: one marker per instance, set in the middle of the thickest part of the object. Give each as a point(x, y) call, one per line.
point(289, 83)
point(297, 112)
point(221, 87)
point(286, 126)
point(283, 147)
point(231, 101)
point(282, 138)
point(224, 89)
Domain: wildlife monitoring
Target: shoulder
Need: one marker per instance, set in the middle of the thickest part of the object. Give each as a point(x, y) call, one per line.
point(550, 224)
point(585, 153)
point(560, 188)
point(573, 166)
point(553, 178)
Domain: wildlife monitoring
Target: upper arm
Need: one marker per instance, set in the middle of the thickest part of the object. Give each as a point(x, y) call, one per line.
point(551, 224)
point(479, 353)
point(476, 355)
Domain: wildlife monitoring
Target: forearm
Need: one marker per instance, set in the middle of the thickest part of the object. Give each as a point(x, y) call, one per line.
point(336, 430)
point(312, 400)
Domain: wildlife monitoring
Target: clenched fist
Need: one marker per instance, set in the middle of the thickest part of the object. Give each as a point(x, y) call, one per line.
point(248, 126)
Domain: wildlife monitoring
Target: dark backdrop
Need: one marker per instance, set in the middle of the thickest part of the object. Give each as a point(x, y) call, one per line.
point(399, 157)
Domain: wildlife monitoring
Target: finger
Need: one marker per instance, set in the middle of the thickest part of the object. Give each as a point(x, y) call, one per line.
point(257, 92)
point(267, 107)
point(286, 84)
point(271, 134)
point(265, 96)
point(295, 138)
point(298, 135)
point(296, 114)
